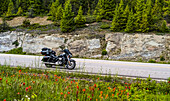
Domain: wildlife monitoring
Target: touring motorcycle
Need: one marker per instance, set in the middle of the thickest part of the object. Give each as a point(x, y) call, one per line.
point(50, 59)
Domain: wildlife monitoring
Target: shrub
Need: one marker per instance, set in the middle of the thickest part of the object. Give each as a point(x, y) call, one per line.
point(162, 58)
point(152, 61)
point(16, 51)
point(26, 23)
point(104, 52)
point(105, 26)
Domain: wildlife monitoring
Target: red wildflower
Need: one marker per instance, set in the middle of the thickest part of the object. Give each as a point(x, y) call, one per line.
point(169, 82)
point(55, 79)
point(18, 93)
point(68, 92)
point(129, 87)
point(128, 94)
point(126, 87)
point(77, 99)
point(61, 93)
point(65, 96)
point(101, 92)
point(84, 90)
point(4, 99)
point(95, 85)
point(55, 75)
point(77, 87)
point(19, 71)
point(90, 98)
point(92, 95)
point(6, 81)
point(71, 81)
point(29, 87)
point(0, 78)
point(26, 88)
point(24, 83)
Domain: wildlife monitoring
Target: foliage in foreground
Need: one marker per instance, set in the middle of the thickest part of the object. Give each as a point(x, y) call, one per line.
point(25, 84)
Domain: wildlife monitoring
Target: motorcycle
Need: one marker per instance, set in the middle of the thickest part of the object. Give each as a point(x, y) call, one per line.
point(50, 59)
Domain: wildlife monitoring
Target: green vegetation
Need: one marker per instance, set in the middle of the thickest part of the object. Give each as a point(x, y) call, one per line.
point(104, 52)
point(32, 84)
point(16, 51)
point(126, 15)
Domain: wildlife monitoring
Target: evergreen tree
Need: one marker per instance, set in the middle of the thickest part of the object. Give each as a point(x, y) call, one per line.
point(59, 13)
point(130, 23)
point(124, 18)
point(156, 16)
point(80, 20)
point(10, 8)
point(20, 11)
point(67, 21)
point(99, 10)
point(138, 15)
point(164, 28)
point(144, 26)
point(53, 9)
point(115, 24)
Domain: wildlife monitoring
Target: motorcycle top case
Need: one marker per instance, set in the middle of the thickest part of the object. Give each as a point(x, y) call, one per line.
point(47, 51)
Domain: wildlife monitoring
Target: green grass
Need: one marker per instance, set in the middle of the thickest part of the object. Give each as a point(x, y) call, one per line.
point(36, 85)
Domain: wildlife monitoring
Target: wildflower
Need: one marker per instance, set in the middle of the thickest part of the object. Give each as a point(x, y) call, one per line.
point(84, 90)
point(117, 94)
point(129, 87)
point(169, 82)
point(61, 93)
point(65, 96)
point(78, 100)
point(92, 95)
point(18, 93)
point(19, 71)
point(0, 78)
point(4, 99)
point(126, 87)
point(24, 83)
point(113, 95)
point(95, 85)
point(55, 79)
point(125, 83)
point(68, 92)
point(55, 75)
point(128, 94)
point(101, 92)
point(6, 81)
point(77, 87)
point(71, 81)
point(106, 96)
point(96, 99)
point(108, 87)
point(90, 98)
point(26, 89)
point(29, 87)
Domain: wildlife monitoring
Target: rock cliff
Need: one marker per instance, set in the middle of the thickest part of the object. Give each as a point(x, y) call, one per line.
point(119, 46)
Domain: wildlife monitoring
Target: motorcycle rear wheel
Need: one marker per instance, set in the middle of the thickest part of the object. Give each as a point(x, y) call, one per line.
point(72, 65)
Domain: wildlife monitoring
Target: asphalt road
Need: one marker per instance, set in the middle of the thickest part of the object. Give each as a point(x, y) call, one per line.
point(130, 69)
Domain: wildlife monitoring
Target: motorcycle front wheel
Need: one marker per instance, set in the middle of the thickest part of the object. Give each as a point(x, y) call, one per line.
point(72, 64)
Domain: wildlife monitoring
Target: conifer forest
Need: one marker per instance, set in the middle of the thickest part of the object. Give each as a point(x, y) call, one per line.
point(125, 15)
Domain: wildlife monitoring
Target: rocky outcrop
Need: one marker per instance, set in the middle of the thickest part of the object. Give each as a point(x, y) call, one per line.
point(120, 46)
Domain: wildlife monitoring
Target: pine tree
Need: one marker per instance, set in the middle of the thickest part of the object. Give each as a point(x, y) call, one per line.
point(138, 15)
point(10, 8)
point(164, 28)
point(130, 23)
point(124, 18)
point(59, 13)
point(80, 20)
point(53, 9)
point(156, 16)
point(99, 10)
point(115, 24)
point(20, 11)
point(67, 21)
point(144, 26)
